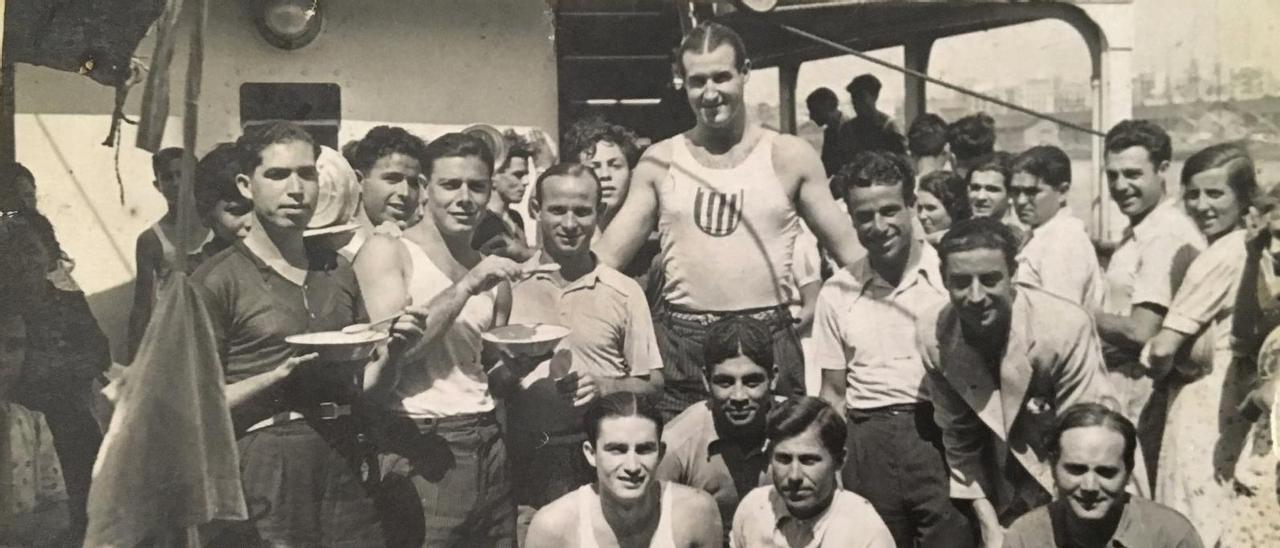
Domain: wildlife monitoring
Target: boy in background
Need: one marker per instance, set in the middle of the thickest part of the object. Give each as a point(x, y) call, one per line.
point(156, 250)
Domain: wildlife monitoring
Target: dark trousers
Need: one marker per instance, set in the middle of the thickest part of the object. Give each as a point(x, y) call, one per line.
point(681, 335)
point(895, 460)
point(445, 482)
point(76, 439)
point(304, 485)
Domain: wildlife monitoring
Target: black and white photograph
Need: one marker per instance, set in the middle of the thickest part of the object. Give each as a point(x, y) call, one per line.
point(639, 273)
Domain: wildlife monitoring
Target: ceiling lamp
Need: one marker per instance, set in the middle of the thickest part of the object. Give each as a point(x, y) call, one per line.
point(289, 24)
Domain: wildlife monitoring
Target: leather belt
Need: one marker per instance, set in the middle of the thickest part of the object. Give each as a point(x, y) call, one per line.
point(452, 421)
point(325, 411)
point(896, 409)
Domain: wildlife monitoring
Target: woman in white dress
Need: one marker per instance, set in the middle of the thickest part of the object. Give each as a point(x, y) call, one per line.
point(1204, 433)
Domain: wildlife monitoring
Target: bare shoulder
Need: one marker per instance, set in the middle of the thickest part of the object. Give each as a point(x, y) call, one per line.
point(697, 519)
point(696, 505)
point(381, 251)
point(656, 159)
point(554, 524)
point(793, 152)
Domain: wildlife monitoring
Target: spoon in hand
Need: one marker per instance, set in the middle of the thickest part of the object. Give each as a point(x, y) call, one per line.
point(359, 327)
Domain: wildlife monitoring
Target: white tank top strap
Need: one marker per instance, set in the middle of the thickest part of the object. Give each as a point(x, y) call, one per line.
point(166, 247)
point(586, 539)
point(449, 379)
point(664, 535)
point(727, 233)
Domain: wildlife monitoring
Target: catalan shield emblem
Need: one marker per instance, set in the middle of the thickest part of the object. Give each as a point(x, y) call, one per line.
point(717, 213)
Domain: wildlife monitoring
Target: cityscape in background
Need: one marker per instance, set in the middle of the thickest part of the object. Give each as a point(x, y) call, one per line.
point(1199, 106)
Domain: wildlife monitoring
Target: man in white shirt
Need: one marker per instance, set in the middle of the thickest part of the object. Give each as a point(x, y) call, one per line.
point(864, 335)
point(611, 345)
point(805, 507)
point(1057, 256)
point(1146, 269)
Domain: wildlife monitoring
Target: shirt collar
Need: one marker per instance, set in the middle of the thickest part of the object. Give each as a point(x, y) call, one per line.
point(317, 261)
point(1129, 531)
point(715, 442)
point(1152, 222)
point(1062, 216)
point(587, 281)
point(921, 266)
point(782, 514)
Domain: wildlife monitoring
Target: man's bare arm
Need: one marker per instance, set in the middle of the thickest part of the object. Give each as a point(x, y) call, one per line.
point(1132, 331)
point(650, 383)
point(639, 213)
point(794, 159)
point(380, 272)
point(833, 387)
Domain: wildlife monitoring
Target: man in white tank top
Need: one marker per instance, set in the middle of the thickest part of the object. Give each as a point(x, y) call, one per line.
point(439, 439)
point(726, 198)
point(626, 506)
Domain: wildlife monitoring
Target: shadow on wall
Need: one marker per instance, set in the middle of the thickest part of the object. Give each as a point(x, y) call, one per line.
point(111, 308)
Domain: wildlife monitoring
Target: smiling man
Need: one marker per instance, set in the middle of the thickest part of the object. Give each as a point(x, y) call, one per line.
point(1092, 451)
point(389, 163)
point(805, 506)
point(610, 347)
point(719, 446)
point(627, 505)
point(1003, 361)
point(1147, 268)
point(865, 343)
point(442, 448)
point(726, 198)
point(1058, 256)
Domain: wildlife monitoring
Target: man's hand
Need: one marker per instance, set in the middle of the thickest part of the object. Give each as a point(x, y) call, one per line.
point(523, 365)
point(578, 388)
point(1260, 400)
point(988, 524)
point(283, 370)
point(1257, 233)
point(407, 330)
point(491, 271)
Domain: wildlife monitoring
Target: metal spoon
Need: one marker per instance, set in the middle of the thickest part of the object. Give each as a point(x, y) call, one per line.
point(360, 327)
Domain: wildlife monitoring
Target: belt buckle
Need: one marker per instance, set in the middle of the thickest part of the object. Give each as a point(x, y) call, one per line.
point(330, 411)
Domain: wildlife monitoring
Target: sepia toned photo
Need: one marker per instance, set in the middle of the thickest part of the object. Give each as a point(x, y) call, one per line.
point(639, 273)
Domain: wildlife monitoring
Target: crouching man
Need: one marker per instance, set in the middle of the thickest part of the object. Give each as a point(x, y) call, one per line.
point(626, 506)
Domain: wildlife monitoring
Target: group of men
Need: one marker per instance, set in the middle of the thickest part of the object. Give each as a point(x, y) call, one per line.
point(953, 400)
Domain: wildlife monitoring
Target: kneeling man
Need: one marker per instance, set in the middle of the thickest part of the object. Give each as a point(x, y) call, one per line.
point(804, 506)
point(1092, 450)
point(625, 506)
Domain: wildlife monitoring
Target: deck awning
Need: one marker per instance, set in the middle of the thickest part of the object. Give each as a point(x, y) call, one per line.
point(867, 25)
point(95, 37)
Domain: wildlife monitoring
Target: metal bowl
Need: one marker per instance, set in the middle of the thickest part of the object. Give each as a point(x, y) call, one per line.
point(336, 346)
point(530, 340)
point(331, 238)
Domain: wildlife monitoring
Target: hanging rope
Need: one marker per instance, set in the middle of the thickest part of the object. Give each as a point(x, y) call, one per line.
point(937, 82)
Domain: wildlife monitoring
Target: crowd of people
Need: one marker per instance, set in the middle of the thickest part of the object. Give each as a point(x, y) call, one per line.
point(953, 362)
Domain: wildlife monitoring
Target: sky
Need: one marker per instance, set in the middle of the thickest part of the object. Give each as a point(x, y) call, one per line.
point(1169, 35)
